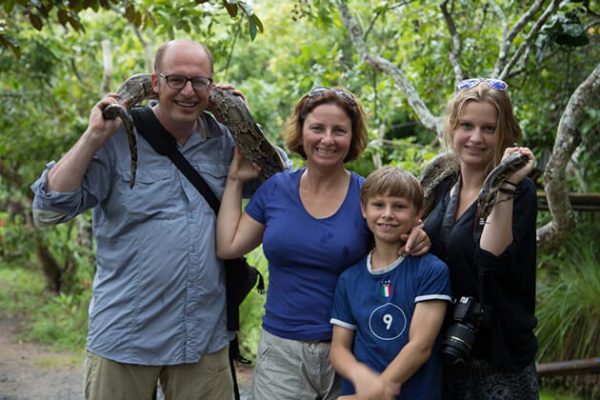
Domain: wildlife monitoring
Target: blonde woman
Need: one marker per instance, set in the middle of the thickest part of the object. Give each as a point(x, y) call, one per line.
point(491, 262)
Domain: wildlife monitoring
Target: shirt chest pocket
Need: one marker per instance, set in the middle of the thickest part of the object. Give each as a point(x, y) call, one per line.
point(153, 192)
point(214, 175)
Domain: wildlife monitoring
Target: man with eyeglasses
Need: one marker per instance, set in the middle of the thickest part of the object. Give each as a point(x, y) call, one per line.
point(158, 306)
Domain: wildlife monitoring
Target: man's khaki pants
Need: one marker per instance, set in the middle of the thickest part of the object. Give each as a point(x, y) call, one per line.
point(208, 379)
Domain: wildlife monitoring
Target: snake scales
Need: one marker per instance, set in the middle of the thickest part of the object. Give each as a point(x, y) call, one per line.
point(227, 108)
point(447, 166)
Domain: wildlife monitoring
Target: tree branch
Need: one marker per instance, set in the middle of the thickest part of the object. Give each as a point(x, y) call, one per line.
point(377, 15)
point(567, 140)
point(528, 39)
point(453, 54)
point(147, 50)
point(414, 100)
point(107, 67)
point(509, 37)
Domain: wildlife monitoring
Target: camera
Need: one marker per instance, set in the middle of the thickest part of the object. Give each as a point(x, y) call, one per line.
point(462, 331)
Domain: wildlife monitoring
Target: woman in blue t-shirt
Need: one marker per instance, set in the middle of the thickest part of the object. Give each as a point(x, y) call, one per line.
point(311, 228)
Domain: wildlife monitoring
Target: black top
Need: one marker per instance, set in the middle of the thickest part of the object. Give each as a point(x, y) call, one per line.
point(508, 280)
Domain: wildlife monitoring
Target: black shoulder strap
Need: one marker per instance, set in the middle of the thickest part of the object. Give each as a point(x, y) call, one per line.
point(164, 143)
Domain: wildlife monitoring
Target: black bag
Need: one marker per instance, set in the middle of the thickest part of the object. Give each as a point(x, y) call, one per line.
point(240, 278)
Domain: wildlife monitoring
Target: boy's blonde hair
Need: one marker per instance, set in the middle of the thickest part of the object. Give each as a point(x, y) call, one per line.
point(392, 181)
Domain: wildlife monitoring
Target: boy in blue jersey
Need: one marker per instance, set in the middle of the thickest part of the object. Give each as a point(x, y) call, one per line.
point(388, 310)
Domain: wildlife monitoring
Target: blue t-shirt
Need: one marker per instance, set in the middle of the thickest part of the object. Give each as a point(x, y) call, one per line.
point(306, 255)
point(379, 306)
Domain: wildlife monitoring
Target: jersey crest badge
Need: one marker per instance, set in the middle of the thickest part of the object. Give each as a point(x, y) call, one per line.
point(386, 289)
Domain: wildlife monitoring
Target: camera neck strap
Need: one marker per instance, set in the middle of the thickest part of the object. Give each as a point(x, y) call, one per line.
point(448, 220)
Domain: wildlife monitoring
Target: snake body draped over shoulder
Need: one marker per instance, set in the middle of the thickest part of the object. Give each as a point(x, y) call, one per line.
point(447, 166)
point(227, 108)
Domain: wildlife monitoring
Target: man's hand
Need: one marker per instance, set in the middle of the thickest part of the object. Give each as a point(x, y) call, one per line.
point(99, 128)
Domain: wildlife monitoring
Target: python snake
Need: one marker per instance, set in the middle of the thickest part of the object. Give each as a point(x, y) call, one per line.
point(447, 166)
point(226, 107)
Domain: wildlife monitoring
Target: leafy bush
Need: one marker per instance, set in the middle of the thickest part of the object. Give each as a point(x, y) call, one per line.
point(59, 321)
point(252, 310)
point(568, 309)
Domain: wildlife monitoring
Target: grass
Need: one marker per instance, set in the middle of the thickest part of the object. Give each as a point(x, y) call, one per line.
point(557, 395)
point(568, 309)
point(57, 321)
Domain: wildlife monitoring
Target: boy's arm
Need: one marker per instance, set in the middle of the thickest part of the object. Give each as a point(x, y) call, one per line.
point(367, 383)
point(424, 328)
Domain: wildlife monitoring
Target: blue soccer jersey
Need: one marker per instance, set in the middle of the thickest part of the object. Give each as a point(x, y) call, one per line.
point(379, 305)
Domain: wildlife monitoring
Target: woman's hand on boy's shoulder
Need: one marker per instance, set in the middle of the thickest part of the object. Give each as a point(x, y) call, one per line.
point(416, 243)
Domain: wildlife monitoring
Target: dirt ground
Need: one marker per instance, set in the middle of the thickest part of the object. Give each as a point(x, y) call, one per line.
point(29, 371)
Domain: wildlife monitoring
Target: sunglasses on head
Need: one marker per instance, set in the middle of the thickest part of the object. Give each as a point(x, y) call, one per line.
point(496, 84)
point(339, 93)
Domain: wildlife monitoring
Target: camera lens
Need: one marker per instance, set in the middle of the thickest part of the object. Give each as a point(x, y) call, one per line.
point(458, 343)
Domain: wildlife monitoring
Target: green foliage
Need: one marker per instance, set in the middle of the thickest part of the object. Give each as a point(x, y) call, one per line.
point(565, 300)
point(62, 322)
point(59, 321)
point(21, 291)
point(46, 96)
point(569, 297)
point(548, 394)
point(139, 13)
point(252, 309)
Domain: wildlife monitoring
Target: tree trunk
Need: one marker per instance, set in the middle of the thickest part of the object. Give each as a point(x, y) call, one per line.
point(567, 140)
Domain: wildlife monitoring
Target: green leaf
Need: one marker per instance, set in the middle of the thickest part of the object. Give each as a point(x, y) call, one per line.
point(45, 9)
point(231, 8)
point(93, 4)
point(63, 17)
point(36, 21)
point(75, 5)
point(74, 22)
point(252, 28)
point(9, 5)
point(258, 23)
point(10, 42)
point(572, 41)
point(138, 19)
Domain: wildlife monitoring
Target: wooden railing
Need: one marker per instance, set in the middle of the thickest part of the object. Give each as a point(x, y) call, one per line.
point(579, 201)
point(587, 366)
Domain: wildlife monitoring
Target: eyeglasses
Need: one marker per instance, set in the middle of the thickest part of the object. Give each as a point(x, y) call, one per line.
point(178, 82)
point(496, 84)
point(339, 93)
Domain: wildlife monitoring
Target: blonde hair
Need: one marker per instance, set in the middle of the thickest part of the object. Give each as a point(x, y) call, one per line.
point(338, 96)
point(507, 127)
point(392, 181)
